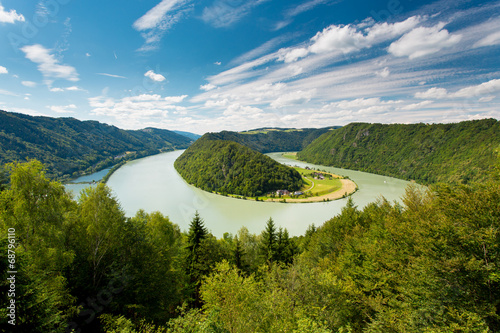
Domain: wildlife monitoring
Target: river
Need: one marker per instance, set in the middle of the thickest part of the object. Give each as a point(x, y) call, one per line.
point(152, 184)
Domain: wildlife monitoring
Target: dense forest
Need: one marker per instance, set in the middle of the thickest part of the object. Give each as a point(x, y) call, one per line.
point(459, 152)
point(267, 140)
point(431, 264)
point(228, 167)
point(69, 147)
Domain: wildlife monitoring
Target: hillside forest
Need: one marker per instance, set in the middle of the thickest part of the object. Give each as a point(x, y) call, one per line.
point(430, 264)
point(426, 153)
point(69, 147)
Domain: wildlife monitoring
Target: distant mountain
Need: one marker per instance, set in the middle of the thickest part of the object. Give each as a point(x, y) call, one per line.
point(192, 136)
point(68, 146)
point(459, 152)
point(231, 168)
point(266, 140)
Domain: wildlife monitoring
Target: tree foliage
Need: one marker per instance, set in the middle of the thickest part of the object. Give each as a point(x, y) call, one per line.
point(429, 264)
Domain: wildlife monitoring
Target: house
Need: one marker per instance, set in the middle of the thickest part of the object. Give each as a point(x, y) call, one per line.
point(282, 192)
point(298, 193)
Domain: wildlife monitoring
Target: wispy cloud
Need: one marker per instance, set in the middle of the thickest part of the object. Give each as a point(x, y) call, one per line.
point(3, 70)
point(29, 84)
point(485, 90)
point(134, 111)
point(158, 20)
point(224, 13)
point(112, 75)
point(48, 65)
point(289, 14)
point(72, 88)
point(10, 16)
point(63, 108)
point(7, 93)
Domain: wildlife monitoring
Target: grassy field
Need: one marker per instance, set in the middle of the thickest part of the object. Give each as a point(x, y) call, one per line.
point(317, 187)
point(292, 156)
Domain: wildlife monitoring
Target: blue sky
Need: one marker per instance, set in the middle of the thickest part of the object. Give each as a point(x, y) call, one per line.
point(216, 65)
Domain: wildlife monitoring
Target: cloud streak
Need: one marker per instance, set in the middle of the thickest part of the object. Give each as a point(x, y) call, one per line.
point(158, 20)
point(224, 13)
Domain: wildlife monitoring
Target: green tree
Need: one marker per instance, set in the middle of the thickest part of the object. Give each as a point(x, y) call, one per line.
point(101, 225)
point(195, 268)
point(35, 209)
point(268, 247)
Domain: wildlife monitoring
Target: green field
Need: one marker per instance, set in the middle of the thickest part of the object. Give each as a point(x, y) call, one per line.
point(318, 186)
point(292, 156)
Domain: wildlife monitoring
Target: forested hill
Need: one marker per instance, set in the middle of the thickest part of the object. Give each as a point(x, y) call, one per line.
point(68, 146)
point(230, 168)
point(266, 140)
point(459, 152)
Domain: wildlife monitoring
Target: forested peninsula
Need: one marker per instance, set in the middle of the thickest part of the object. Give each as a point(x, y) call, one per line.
point(69, 147)
point(427, 153)
point(228, 167)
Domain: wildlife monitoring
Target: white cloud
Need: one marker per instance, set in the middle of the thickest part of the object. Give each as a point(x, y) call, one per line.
point(154, 76)
point(62, 108)
point(72, 88)
point(137, 109)
point(293, 55)
point(30, 84)
point(217, 103)
point(154, 17)
point(208, 87)
point(293, 98)
point(423, 41)
point(48, 65)
point(338, 39)
point(416, 106)
point(223, 13)
point(10, 16)
point(432, 93)
point(28, 111)
point(3, 70)
point(239, 110)
point(490, 40)
point(112, 75)
point(384, 73)
point(7, 93)
point(482, 89)
point(158, 20)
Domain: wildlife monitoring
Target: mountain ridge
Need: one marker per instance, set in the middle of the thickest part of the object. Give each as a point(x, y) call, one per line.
point(69, 147)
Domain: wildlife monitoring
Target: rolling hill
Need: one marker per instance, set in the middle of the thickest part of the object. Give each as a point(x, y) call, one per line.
point(68, 146)
point(458, 152)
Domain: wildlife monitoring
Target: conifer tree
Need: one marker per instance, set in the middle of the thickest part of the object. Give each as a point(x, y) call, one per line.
point(195, 268)
point(238, 254)
point(269, 242)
